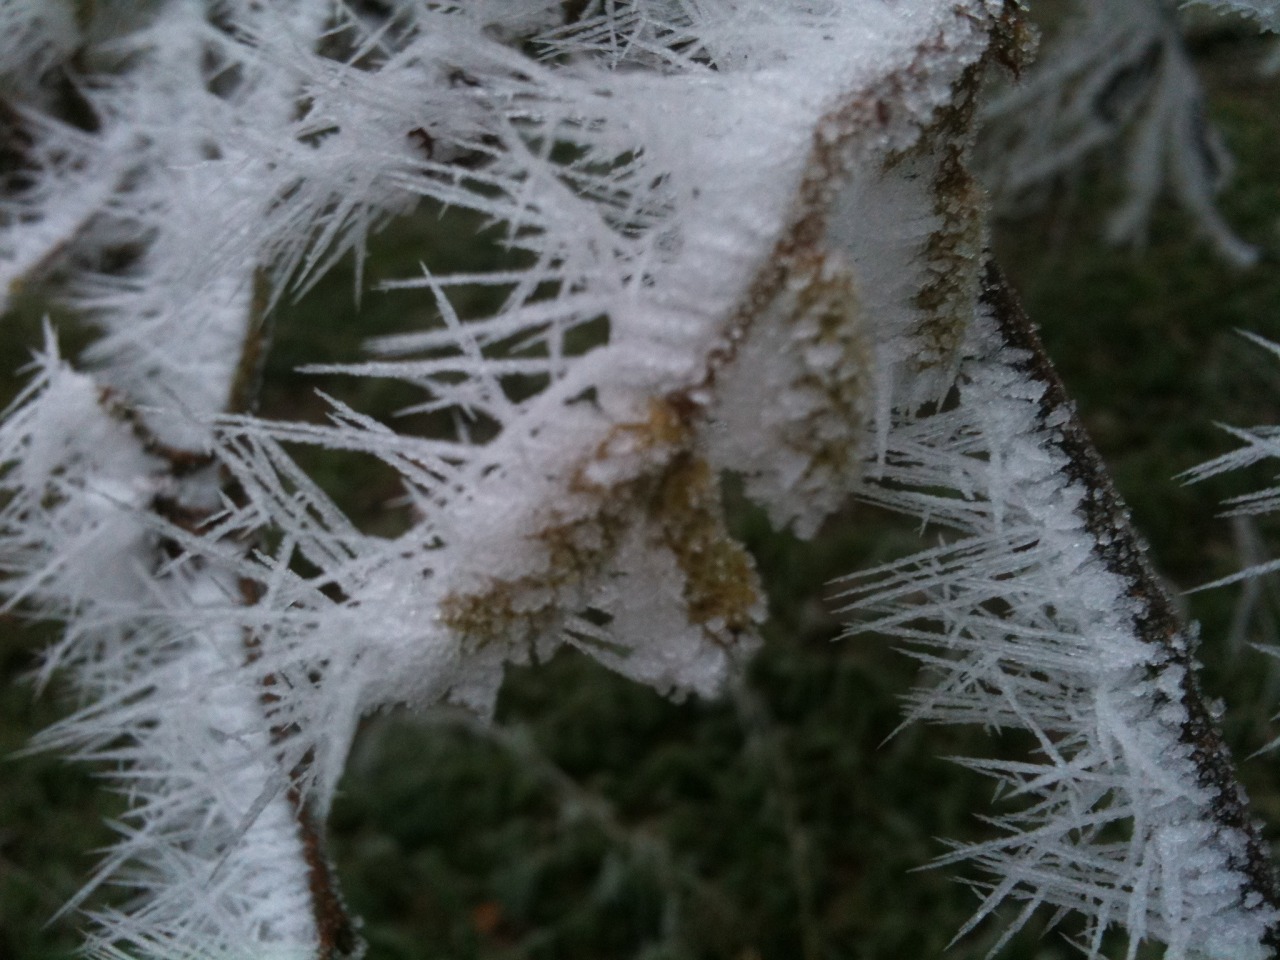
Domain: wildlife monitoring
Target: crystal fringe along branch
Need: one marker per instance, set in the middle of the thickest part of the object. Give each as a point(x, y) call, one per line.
point(1046, 616)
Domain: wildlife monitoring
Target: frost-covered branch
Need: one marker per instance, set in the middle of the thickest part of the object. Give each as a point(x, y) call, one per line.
point(1046, 616)
point(729, 197)
point(108, 473)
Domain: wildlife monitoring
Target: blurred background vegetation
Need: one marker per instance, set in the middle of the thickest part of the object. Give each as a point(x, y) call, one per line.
point(597, 820)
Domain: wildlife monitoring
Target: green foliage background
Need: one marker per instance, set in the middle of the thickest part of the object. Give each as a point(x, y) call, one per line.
point(597, 820)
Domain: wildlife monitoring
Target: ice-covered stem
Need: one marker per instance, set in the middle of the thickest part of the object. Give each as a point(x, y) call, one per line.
point(335, 931)
point(179, 482)
point(106, 486)
point(1156, 618)
point(94, 513)
point(1043, 615)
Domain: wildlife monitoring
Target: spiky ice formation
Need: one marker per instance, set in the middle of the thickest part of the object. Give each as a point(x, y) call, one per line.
point(166, 699)
point(720, 196)
point(1043, 615)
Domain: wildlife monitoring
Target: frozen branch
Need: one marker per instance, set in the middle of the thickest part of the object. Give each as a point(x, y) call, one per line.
point(1046, 616)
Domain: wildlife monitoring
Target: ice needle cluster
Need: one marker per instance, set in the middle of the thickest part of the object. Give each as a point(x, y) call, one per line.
point(1259, 444)
point(741, 237)
point(1038, 613)
point(694, 198)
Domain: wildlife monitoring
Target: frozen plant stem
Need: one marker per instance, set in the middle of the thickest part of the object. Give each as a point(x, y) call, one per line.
point(1156, 619)
point(335, 933)
point(276, 784)
point(1046, 616)
point(334, 930)
point(220, 847)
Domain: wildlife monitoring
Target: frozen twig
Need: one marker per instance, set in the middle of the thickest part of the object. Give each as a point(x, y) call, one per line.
point(1046, 616)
